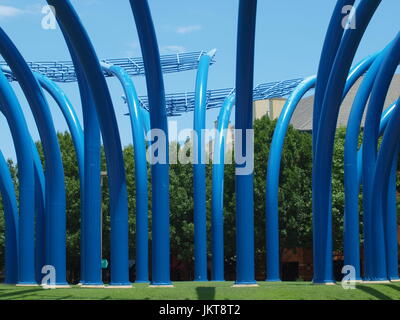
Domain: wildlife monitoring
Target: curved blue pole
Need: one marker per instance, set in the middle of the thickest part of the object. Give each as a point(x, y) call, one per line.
point(11, 222)
point(55, 190)
point(77, 137)
point(329, 50)
point(243, 122)
point(217, 200)
point(273, 169)
point(74, 127)
point(382, 127)
point(91, 239)
point(145, 116)
point(11, 109)
point(272, 184)
point(40, 214)
point(199, 170)
point(158, 117)
point(373, 221)
point(142, 246)
point(79, 40)
point(391, 216)
point(70, 116)
point(390, 221)
point(383, 172)
point(351, 171)
point(322, 165)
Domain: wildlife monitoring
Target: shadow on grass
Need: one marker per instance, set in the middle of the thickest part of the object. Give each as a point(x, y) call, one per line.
point(205, 293)
point(5, 295)
point(392, 286)
point(373, 292)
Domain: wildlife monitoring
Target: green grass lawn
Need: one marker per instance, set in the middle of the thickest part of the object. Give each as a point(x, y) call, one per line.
point(211, 290)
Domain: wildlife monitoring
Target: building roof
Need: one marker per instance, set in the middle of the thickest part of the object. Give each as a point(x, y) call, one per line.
point(302, 117)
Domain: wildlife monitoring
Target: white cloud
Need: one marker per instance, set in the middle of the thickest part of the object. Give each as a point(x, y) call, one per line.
point(6, 11)
point(188, 29)
point(173, 49)
point(133, 50)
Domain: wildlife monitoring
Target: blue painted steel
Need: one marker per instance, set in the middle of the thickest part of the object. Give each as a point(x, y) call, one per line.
point(329, 50)
point(70, 116)
point(30, 173)
point(352, 169)
point(182, 102)
point(272, 226)
point(142, 246)
point(40, 214)
point(145, 117)
point(73, 124)
point(55, 190)
point(273, 169)
point(158, 117)
point(217, 201)
point(77, 137)
point(11, 109)
point(391, 215)
point(390, 221)
point(322, 166)
point(91, 239)
point(199, 171)
point(89, 62)
point(65, 71)
point(374, 221)
point(382, 175)
point(243, 122)
point(11, 222)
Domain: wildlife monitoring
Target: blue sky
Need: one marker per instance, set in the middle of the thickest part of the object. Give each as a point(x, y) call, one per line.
point(289, 38)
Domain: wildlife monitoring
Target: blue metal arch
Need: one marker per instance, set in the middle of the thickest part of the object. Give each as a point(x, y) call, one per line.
point(374, 222)
point(70, 116)
point(11, 222)
point(243, 121)
point(79, 40)
point(331, 45)
point(217, 200)
point(135, 114)
point(77, 137)
point(273, 169)
point(322, 164)
point(351, 167)
point(11, 109)
point(55, 191)
point(272, 183)
point(40, 214)
point(199, 170)
point(158, 117)
point(382, 174)
point(91, 238)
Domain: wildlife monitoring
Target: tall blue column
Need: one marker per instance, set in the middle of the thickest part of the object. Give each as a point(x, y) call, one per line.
point(217, 200)
point(243, 122)
point(11, 109)
point(55, 187)
point(142, 238)
point(373, 220)
point(322, 164)
point(272, 180)
point(85, 53)
point(11, 222)
point(351, 171)
point(384, 166)
point(199, 171)
point(158, 119)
